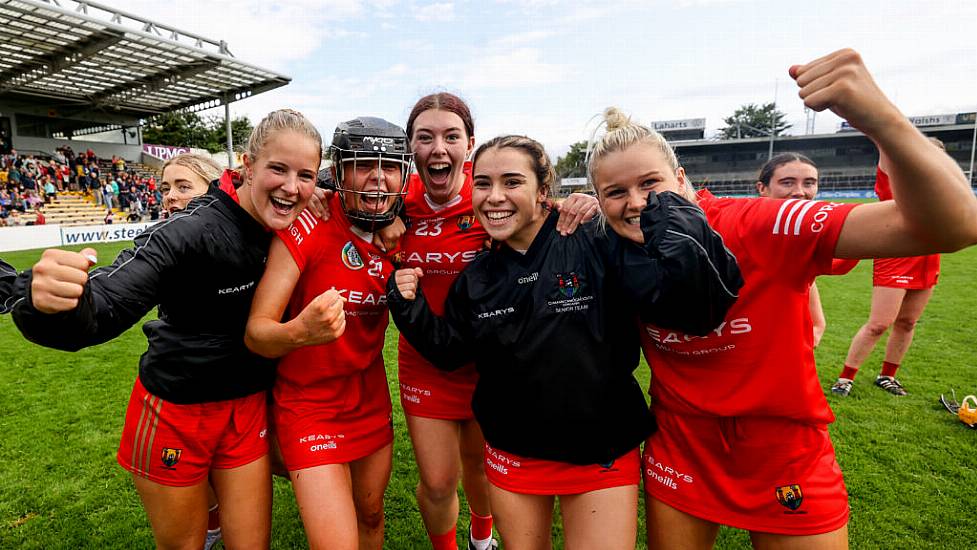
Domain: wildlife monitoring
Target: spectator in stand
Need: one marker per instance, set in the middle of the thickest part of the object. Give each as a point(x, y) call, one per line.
point(108, 217)
point(108, 194)
point(39, 218)
point(13, 175)
point(50, 192)
point(97, 186)
point(15, 219)
point(90, 155)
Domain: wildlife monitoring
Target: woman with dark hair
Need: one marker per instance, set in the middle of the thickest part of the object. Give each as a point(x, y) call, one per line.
point(442, 238)
point(794, 176)
point(549, 322)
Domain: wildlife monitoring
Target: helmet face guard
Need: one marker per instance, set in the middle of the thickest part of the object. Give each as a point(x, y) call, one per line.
point(372, 142)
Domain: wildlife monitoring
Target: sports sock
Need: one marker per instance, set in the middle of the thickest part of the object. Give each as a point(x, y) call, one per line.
point(889, 369)
point(848, 373)
point(444, 541)
point(480, 531)
point(213, 518)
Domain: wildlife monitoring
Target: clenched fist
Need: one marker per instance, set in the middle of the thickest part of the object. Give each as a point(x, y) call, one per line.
point(323, 319)
point(407, 280)
point(59, 279)
point(840, 81)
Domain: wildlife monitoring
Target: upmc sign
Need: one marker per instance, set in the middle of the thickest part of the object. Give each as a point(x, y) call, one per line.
point(164, 152)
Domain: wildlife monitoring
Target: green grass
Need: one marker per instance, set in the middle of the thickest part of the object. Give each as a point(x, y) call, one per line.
point(911, 469)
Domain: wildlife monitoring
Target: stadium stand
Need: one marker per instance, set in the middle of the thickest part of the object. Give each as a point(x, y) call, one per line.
point(846, 159)
point(81, 75)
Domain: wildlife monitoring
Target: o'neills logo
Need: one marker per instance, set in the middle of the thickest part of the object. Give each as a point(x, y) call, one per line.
point(351, 256)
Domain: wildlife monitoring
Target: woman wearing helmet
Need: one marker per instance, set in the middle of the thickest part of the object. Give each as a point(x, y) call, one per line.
point(331, 404)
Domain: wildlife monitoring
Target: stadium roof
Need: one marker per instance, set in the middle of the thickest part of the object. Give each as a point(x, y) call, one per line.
point(80, 57)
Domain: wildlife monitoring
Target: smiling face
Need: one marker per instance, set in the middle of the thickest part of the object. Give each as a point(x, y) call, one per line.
point(506, 196)
point(793, 180)
point(179, 185)
point(623, 180)
point(371, 186)
point(281, 178)
point(441, 145)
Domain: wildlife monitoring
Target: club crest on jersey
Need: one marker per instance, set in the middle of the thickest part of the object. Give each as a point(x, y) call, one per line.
point(790, 496)
point(569, 284)
point(351, 256)
point(171, 456)
point(398, 258)
point(466, 222)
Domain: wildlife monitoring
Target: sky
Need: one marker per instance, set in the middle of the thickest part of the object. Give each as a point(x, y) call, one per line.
point(547, 68)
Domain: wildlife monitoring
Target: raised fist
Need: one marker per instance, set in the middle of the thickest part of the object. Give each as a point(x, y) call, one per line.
point(59, 279)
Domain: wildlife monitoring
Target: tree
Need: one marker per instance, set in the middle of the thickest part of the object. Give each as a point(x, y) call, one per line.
point(574, 163)
point(189, 130)
point(753, 120)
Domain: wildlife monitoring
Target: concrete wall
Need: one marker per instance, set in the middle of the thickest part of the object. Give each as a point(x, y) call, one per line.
point(131, 153)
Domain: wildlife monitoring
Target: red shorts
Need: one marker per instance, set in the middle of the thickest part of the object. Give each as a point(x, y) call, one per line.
point(430, 393)
point(533, 476)
point(759, 474)
point(915, 273)
point(178, 445)
point(355, 422)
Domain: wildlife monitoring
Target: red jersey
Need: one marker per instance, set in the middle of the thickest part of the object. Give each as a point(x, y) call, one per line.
point(914, 272)
point(760, 360)
point(331, 255)
point(442, 240)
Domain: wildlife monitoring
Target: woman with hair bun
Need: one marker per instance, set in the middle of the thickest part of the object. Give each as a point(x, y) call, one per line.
point(742, 437)
point(198, 409)
point(549, 322)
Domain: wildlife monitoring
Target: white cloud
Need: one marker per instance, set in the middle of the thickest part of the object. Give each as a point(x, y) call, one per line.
point(519, 39)
point(439, 11)
point(519, 68)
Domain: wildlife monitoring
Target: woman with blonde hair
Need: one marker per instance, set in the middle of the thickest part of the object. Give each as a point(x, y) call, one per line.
point(742, 437)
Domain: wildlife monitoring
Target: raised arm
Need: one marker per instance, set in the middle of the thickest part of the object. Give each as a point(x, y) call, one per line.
point(441, 340)
point(934, 209)
point(683, 277)
point(320, 322)
point(67, 308)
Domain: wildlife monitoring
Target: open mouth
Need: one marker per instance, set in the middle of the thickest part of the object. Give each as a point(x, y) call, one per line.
point(439, 172)
point(634, 220)
point(281, 206)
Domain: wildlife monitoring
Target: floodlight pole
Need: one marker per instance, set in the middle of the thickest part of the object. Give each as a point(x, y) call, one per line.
point(973, 146)
point(773, 119)
point(230, 137)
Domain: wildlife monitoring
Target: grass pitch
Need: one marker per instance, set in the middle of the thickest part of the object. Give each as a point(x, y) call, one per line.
point(910, 467)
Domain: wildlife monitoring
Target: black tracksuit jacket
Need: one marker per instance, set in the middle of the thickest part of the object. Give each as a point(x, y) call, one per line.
point(553, 332)
point(200, 267)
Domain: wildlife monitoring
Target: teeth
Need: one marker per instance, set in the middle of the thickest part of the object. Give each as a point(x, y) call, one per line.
point(633, 221)
point(282, 203)
point(439, 166)
point(498, 215)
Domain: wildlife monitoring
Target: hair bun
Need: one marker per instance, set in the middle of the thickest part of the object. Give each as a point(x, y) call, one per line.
point(615, 119)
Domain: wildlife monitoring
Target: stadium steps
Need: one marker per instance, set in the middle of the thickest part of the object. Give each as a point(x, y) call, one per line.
point(74, 208)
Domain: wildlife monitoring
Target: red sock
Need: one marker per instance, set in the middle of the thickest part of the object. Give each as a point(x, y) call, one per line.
point(848, 373)
point(213, 518)
point(481, 526)
point(445, 541)
point(889, 369)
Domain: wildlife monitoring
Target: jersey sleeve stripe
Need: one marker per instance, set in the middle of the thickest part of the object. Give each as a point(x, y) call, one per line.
point(800, 217)
point(790, 216)
point(780, 214)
